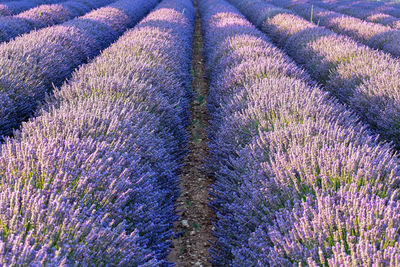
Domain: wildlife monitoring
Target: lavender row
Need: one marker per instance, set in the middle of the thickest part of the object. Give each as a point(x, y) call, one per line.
point(367, 7)
point(92, 181)
point(45, 16)
point(362, 10)
point(33, 63)
point(371, 34)
point(365, 79)
point(15, 7)
point(292, 165)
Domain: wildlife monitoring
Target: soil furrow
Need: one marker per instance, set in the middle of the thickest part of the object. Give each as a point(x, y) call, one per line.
point(191, 248)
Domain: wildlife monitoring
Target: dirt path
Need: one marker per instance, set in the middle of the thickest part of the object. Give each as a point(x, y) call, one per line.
point(191, 248)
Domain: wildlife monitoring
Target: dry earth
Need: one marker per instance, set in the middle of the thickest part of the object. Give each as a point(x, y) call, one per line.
point(192, 247)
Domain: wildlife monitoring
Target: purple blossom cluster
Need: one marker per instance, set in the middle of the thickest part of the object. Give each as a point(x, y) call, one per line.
point(366, 80)
point(299, 180)
point(92, 181)
point(45, 16)
point(32, 64)
point(371, 34)
point(8, 8)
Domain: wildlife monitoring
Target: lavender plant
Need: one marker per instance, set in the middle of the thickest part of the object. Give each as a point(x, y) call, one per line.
point(33, 63)
point(392, 9)
point(92, 180)
point(363, 78)
point(14, 7)
point(285, 155)
point(45, 16)
point(363, 10)
point(369, 10)
point(371, 34)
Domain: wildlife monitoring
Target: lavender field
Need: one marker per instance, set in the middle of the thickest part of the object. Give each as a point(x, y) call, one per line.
point(199, 133)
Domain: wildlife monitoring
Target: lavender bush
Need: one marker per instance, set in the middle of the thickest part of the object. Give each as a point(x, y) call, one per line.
point(371, 34)
point(15, 7)
point(33, 63)
point(45, 16)
point(374, 11)
point(92, 180)
point(363, 10)
point(365, 79)
point(392, 9)
point(292, 166)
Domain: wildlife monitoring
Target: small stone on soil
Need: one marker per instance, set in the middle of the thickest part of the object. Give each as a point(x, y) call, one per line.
point(185, 223)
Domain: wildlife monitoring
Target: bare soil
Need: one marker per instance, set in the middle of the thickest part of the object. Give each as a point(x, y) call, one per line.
point(192, 247)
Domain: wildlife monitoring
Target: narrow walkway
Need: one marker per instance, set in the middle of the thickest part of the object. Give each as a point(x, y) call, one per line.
point(191, 248)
